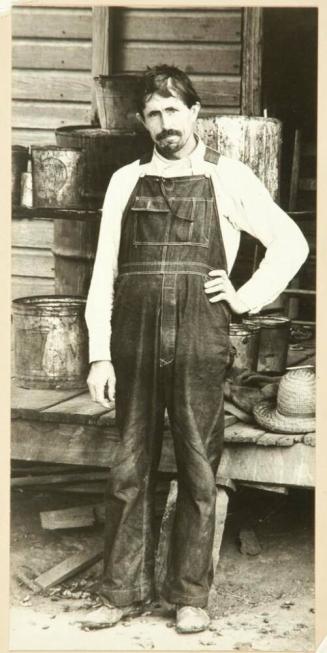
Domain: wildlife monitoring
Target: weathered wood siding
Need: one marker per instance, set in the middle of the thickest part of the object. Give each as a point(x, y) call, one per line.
point(32, 266)
point(205, 43)
point(51, 80)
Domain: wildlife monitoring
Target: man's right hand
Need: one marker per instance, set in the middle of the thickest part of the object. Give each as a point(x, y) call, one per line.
point(102, 373)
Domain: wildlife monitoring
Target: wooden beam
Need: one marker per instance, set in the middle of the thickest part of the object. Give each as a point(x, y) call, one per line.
point(69, 567)
point(102, 48)
point(252, 61)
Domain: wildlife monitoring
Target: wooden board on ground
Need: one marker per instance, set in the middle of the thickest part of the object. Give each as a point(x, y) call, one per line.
point(69, 567)
point(77, 517)
point(24, 481)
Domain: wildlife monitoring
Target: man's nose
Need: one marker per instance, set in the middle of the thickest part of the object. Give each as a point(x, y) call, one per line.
point(165, 121)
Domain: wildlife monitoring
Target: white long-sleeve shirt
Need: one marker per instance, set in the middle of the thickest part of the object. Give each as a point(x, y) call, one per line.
point(243, 203)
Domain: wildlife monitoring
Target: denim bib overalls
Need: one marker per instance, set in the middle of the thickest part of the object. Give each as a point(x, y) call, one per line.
point(169, 349)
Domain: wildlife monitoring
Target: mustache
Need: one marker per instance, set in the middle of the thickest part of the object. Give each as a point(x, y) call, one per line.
point(168, 132)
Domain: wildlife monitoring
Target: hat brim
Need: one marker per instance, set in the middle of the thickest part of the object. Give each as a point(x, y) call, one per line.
point(267, 416)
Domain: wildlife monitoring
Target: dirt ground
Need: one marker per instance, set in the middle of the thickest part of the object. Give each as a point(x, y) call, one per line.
point(263, 602)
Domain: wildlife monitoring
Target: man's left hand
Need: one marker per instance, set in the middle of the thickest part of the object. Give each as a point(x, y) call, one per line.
point(223, 290)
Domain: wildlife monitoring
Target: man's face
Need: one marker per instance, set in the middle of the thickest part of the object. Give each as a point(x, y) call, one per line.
point(170, 123)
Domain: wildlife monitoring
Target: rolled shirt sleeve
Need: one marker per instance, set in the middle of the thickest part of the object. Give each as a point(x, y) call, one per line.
point(286, 247)
point(101, 292)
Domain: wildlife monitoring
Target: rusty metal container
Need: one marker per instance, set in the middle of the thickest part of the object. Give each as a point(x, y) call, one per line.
point(58, 176)
point(244, 342)
point(74, 247)
point(116, 102)
point(104, 154)
point(19, 160)
point(51, 342)
point(273, 342)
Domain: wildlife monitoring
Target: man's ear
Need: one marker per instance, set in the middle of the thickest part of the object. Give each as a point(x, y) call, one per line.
point(139, 117)
point(195, 108)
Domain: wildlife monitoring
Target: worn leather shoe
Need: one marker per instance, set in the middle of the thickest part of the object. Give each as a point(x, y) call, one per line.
point(107, 616)
point(190, 619)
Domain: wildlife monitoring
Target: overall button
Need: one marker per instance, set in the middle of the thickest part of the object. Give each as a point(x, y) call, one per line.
point(168, 183)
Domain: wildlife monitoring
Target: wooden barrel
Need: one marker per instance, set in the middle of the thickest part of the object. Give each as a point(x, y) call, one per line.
point(58, 176)
point(74, 247)
point(104, 154)
point(51, 342)
point(19, 159)
point(255, 141)
point(116, 102)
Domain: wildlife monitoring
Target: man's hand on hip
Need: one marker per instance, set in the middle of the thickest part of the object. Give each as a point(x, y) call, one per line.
point(223, 290)
point(102, 374)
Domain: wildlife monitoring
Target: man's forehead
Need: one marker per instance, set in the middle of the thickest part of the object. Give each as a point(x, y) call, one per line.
point(157, 101)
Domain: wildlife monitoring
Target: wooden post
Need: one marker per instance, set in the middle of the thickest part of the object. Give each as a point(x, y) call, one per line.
point(102, 48)
point(252, 61)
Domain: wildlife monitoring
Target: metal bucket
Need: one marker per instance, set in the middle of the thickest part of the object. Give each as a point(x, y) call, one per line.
point(104, 154)
point(273, 342)
point(244, 342)
point(116, 102)
point(51, 342)
point(19, 160)
point(58, 176)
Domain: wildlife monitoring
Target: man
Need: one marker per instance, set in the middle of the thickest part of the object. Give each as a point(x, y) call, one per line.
point(169, 237)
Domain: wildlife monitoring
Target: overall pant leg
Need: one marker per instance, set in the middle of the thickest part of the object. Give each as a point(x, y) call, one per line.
point(129, 526)
point(194, 388)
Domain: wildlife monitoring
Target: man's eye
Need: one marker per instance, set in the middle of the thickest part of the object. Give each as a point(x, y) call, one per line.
point(171, 110)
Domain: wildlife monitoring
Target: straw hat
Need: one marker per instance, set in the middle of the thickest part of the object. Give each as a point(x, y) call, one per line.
point(295, 409)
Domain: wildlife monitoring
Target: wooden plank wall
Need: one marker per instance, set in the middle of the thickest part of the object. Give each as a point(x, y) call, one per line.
point(32, 265)
point(51, 79)
point(51, 87)
point(206, 44)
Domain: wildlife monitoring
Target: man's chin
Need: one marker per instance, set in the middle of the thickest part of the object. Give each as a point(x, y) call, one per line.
point(168, 147)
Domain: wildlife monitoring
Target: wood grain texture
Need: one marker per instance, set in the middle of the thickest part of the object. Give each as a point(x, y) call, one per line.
point(200, 58)
point(48, 115)
point(32, 233)
point(37, 214)
point(57, 85)
point(28, 286)
point(90, 445)
point(252, 61)
point(79, 410)
point(280, 465)
point(54, 23)
point(69, 567)
point(77, 517)
point(23, 399)
point(29, 262)
point(181, 25)
point(53, 55)
point(217, 90)
point(33, 136)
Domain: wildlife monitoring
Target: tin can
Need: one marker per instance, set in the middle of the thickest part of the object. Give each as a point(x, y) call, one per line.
point(244, 343)
point(273, 342)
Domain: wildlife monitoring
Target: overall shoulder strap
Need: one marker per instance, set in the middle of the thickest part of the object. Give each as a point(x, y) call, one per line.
point(211, 155)
point(146, 157)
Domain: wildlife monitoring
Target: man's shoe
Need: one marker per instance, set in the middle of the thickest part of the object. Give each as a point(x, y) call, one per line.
point(190, 619)
point(107, 616)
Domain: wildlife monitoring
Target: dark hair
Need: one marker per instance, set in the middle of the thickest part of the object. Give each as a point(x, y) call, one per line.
point(161, 79)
